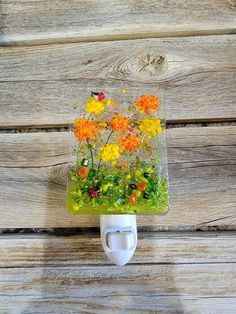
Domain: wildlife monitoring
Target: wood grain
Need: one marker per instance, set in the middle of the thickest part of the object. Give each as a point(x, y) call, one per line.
point(201, 168)
point(161, 288)
point(194, 97)
point(164, 288)
point(149, 60)
point(85, 249)
point(170, 273)
point(39, 22)
point(196, 75)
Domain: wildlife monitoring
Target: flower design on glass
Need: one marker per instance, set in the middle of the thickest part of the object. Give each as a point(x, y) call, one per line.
point(109, 152)
point(85, 130)
point(146, 103)
point(119, 123)
point(113, 172)
point(83, 172)
point(129, 142)
point(94, 106)
point(150, 126)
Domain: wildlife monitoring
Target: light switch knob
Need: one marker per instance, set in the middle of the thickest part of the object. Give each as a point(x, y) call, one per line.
point(117, 241)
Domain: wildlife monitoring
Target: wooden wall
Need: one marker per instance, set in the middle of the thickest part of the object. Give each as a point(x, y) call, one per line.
point(52, 52)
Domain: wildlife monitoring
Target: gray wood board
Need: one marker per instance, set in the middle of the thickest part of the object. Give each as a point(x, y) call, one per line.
point(197, 76)
point(33, 250)
point(170, 273)
point(39, 22)
point(201, 169)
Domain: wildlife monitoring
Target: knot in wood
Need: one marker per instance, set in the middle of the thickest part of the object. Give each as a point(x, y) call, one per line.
point(151, 64)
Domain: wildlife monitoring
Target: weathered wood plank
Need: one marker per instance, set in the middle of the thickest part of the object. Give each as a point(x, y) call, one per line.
point(180, 273)
point(201, 168)
point(162, 247)
point(160, 288)
point(188, 144)
point(123, 60)
point(194, 97)
point(36, 22)
point(197, 75)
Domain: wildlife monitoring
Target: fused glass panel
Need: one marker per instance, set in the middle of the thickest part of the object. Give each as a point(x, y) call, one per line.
point(118, 151)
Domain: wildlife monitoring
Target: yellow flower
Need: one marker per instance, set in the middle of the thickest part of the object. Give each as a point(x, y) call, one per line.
point(151, 126)
point(94, 106)
point(106, 186)
point(109, 152)
point(114, 163)
point(110, 102)
point(103, 124)
point(123, 91)
point(75, 207)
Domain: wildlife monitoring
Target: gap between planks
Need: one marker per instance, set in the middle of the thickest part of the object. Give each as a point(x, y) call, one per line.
point(39, 84)
point(162, 248)
point(201, 168)
point(106, 38)
point(66, 127)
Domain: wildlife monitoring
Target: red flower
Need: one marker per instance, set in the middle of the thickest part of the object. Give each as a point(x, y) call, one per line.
point(141, 186)
point(133, 199)
point(94, 192)
point(101, 96)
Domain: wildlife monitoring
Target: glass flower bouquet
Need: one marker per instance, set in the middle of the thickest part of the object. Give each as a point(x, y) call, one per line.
point(119, 156)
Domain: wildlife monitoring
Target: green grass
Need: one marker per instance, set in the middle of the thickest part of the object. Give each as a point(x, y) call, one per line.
point(115, 190)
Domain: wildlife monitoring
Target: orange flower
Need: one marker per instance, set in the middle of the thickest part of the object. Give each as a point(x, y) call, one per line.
point(146, 103)
point(141, 186)
point(83, 172)
point(124, 165)
point(85, 130)
point(129, 142)
point(119, 123)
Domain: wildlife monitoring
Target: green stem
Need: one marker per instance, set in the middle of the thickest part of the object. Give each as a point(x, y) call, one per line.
point(91, 153)
point(142, 139)
point(104, 144)
point(128, 159)
point(90, 115)
point(109, 137)
point(77, 155)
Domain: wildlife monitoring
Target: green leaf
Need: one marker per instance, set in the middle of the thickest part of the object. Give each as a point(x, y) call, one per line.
point(91, 174)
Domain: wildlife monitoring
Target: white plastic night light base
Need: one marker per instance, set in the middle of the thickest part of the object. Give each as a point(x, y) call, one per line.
point(119, 237)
